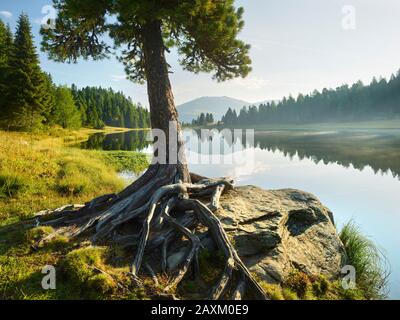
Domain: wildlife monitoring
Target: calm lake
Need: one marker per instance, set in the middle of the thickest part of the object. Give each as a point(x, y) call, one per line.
point(356, 173)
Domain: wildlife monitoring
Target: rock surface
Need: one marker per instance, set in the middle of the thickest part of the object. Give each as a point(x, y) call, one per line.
point(281, 230)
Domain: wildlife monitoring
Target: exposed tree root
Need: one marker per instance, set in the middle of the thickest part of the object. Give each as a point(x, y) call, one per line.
point(152, 213)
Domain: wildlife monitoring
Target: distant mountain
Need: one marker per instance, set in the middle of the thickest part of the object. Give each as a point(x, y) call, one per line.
point(215, 105)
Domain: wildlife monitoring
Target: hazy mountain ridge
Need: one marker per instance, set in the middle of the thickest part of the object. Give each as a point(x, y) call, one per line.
point(215, 105)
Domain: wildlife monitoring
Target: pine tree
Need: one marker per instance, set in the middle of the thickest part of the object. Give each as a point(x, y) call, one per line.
point(6, 43)
point(26, 101)
point(3, 54)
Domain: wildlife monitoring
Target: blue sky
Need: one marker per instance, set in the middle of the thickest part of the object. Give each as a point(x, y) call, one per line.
point(297, 46)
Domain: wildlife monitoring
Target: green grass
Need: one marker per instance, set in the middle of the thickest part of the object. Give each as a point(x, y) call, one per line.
point(12, 185)
point(301, 286)
point(39, 171)
point(127, 160)
point(369, 262)
point(77, 266)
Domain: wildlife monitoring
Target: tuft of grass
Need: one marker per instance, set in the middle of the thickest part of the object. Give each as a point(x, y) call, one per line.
point(369, 262)
point(101, 284)
point(274, 291)
point(78, 264)
point(36, 234)
point(58, 242)
point(79, 268)
point(289, 294)
point(321, 286)
point(300, 283)
point(12, 185)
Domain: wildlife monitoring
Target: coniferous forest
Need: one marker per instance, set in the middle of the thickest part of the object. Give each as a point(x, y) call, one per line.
point(379, 100)
point(203, 119)
point(30, 100)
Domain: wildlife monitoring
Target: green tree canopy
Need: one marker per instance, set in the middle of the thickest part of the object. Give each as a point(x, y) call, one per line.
point(204, 32)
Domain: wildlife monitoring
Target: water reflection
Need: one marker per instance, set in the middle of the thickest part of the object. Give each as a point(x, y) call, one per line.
point(128, 141)
point(378, 150)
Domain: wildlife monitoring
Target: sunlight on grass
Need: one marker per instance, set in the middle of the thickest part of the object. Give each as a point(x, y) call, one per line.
point(367, 259)
point(38, 171)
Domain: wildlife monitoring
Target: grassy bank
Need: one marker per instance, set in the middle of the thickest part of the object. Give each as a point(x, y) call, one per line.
point(41, 171)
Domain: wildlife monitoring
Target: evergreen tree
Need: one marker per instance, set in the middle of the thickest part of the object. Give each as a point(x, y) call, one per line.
point(26, 103)
point(68, 116)
point(6, 43)
point(48, 100)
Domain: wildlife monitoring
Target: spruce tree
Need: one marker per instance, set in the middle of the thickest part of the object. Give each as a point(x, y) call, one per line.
point(49, 101)
point(26, 100)
point(3, 64)
point(2, 43)
point(6, 42)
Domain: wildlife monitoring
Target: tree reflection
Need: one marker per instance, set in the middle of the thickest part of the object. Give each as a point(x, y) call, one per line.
point(128, 141)
point(378, 150)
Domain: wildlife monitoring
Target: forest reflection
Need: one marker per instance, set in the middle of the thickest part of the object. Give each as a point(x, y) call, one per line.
point(129, 141)
point(378, 149)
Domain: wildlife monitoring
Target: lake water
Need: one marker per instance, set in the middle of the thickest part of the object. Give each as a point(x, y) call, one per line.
point(354, 173)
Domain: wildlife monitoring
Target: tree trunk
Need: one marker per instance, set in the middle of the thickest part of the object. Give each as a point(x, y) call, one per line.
point(161, 99)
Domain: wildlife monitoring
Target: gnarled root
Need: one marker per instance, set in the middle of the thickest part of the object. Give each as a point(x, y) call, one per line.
point(159, 209)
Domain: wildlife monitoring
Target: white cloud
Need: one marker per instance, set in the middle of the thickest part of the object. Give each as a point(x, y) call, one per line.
point(6, 14)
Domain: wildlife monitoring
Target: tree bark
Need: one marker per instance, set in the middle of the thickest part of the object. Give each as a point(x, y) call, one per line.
point(161, 99)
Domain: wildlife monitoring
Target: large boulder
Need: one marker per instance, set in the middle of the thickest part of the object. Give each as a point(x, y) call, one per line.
point(278, 231)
